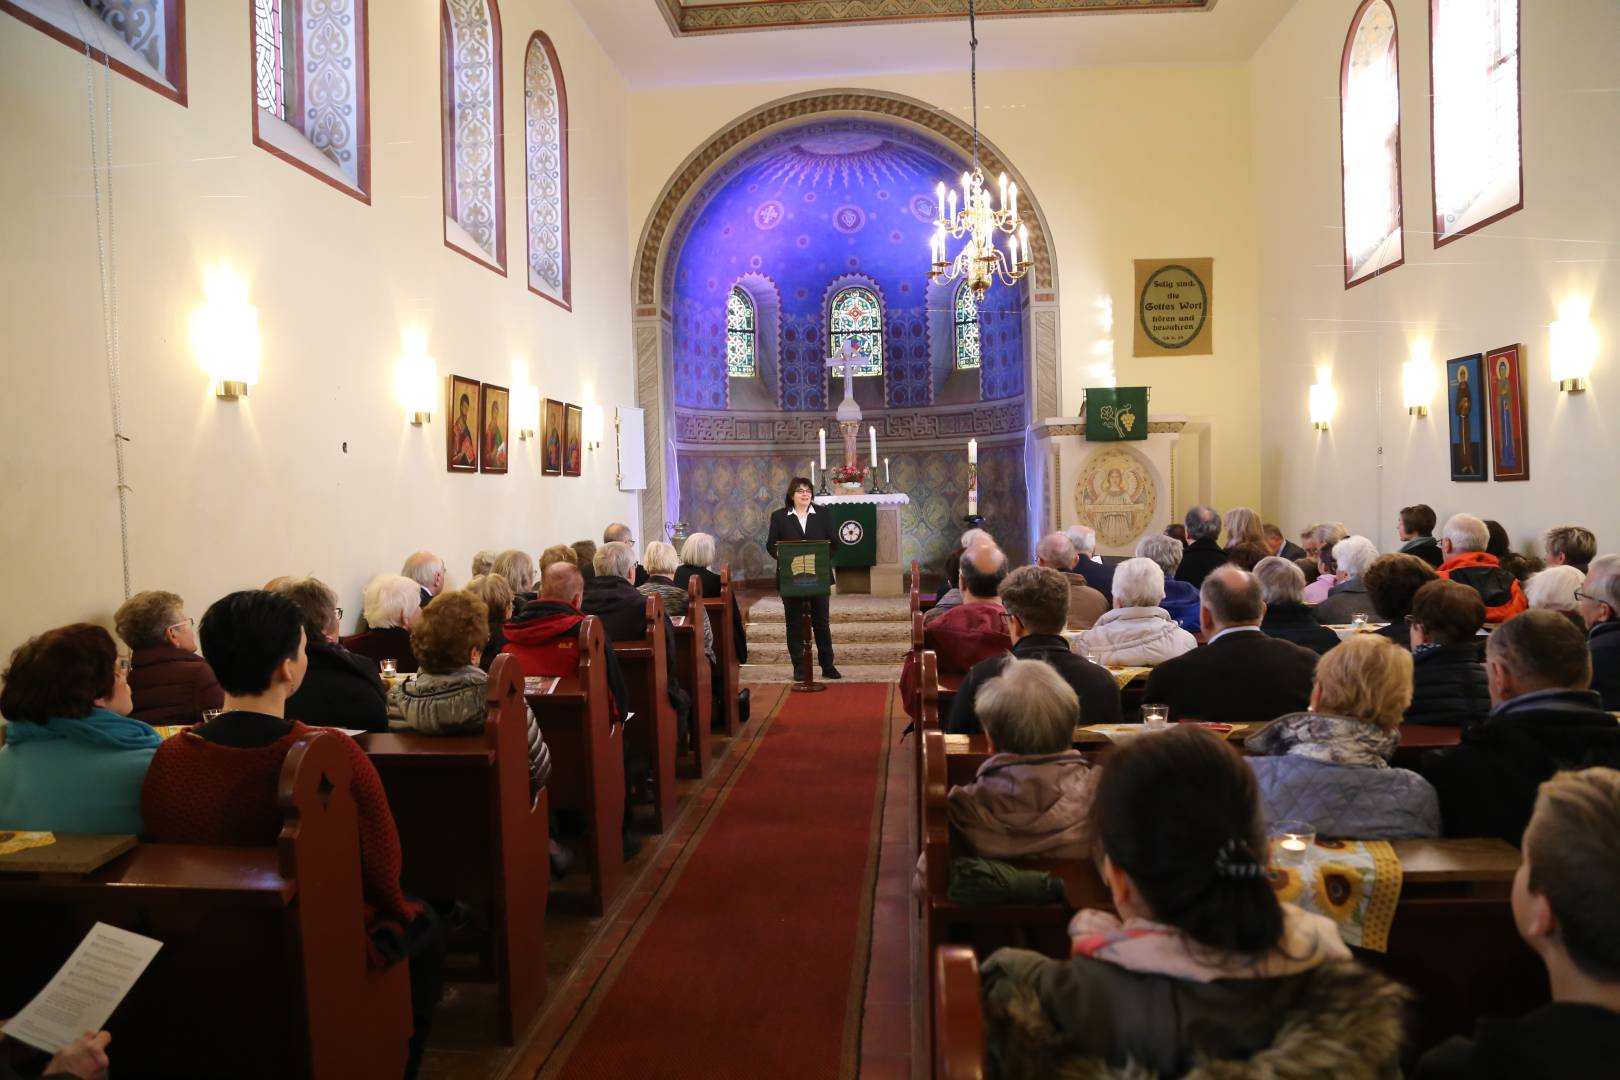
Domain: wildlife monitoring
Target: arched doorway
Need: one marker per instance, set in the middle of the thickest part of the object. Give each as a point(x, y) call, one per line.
point(654, 293)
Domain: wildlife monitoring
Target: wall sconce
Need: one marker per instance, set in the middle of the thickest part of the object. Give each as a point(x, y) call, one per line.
point(526, 410)
point(1572, 344)
point(417, 380)
point(1417, 385)
point(593, 427)
point(225, 333)
point(1322, 402)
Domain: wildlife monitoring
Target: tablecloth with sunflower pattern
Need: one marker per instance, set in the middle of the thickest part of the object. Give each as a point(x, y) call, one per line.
point(1356, 883)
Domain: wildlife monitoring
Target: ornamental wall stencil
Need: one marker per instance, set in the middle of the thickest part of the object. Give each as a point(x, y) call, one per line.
point(545, 122)
point(476, 205)
point(330, 63)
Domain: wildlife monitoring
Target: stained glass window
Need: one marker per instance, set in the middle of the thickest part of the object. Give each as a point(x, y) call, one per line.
point(545, 144)
point(270, 55)
point(1474, 54)
point(856, 317)
point(740, 341)
point(1370, 143)
point(967, 329)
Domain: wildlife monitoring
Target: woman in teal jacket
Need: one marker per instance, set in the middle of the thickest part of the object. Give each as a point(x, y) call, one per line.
point(72, 761)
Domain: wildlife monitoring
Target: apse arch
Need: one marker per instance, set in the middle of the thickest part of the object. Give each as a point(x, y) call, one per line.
point(652, 291)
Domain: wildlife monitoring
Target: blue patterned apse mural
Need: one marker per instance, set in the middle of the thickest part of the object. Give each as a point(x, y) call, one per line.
point(795, 219)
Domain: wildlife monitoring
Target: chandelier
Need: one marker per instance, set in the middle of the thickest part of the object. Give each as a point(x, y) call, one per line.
point(979, 262)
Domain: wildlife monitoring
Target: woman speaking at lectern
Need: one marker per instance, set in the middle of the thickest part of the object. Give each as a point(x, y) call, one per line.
point(798, 519)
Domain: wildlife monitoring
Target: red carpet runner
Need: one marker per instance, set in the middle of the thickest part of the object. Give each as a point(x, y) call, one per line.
point(753, 964)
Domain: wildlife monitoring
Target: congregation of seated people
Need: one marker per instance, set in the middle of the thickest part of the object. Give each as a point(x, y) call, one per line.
point(262, 668)
point(1520, 654)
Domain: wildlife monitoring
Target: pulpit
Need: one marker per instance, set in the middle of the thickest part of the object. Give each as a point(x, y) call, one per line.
point(1124, 490)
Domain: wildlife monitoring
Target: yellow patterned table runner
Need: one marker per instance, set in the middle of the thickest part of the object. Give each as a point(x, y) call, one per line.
point(13, 842)
point(1356, 883)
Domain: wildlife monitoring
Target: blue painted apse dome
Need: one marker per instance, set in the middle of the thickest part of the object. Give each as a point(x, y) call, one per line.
point(798, 216)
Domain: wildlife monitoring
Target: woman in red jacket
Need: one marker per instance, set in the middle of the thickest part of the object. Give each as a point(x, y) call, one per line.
point(216, 783)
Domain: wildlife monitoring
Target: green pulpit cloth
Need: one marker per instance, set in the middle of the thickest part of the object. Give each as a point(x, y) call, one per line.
point(855, 526)
point(1116, 413)
point(803, 568)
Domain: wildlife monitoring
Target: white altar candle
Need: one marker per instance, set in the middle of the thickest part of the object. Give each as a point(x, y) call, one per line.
point(823, 449)
point(871, 435)
point(885, 472)
point(973, 452)
point(812, 473)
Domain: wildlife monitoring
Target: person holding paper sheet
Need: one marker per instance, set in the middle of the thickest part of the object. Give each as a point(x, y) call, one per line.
point(85, 1058)
point(73, 759)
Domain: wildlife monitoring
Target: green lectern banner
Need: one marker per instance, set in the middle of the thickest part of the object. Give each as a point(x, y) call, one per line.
point(803, 568)
point(1116, 413)
point(855, 526)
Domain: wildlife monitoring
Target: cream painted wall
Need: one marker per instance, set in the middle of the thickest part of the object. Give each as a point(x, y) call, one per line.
point(226, 495)
point(1126, 163)
point(1501, 285)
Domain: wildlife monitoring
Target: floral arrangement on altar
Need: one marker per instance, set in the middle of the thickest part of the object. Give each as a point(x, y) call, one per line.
point(847, 475)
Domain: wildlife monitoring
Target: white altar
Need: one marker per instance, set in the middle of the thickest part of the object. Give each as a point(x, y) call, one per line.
point(886, 577)
point(1124, 490)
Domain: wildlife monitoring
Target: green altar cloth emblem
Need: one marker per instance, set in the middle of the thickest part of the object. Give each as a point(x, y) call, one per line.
point(1116, 414)
point(855, 525)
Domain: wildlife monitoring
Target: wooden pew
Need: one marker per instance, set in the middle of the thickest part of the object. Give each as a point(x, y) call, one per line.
point(652, 732)
point(1453, 941)
point(263, 970)
point(469, 830)
point(587, 760)
point(958, 1015)
point(692, 669)
point(721, 611)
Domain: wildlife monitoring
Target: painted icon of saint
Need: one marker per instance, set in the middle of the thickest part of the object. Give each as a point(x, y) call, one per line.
point(464, 450)
point(1465, 410)
point(1504, 406)
point(495, 437)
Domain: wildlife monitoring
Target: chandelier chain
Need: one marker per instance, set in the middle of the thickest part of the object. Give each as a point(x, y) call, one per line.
point(973, 73)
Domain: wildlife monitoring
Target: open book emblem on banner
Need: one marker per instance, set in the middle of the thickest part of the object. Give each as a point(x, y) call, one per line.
point(804, 564)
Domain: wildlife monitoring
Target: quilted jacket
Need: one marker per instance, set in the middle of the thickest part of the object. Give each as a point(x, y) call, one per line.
point(454, 703)
point(1137, 637)
point(1448, 685)
point(1346, 801)
point(1332, 771)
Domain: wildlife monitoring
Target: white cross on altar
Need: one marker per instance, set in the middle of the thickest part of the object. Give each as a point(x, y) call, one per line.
point(849, 358)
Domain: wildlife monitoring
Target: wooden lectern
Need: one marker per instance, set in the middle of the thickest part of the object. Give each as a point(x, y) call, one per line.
point(804, 568)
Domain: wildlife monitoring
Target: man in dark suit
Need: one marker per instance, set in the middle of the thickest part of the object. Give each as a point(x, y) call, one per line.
point(1279, 545)
point(619, 533)
point(1543, 719)
point(1242, 674)
point(1037, 603)
point(1099, 576)
point(798, 519)
point(1203, 549)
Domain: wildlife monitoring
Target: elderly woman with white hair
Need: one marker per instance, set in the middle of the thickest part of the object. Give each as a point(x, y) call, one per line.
point(1032, 797)
point(1137, 632)
point(698, 557)
point(1348, 595)
point(391, 606)
point(661, 561)
point(1180, 598)
point(1557, 588)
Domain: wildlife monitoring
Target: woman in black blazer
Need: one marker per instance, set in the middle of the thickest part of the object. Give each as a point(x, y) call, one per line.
point(798, 519)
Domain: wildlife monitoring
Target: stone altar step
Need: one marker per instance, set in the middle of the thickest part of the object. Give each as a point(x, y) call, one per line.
point(841, 609)
point(764, 632)
point(892, 654)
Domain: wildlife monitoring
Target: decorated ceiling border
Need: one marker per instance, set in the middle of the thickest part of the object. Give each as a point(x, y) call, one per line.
point(741, 15)
point(685, 185)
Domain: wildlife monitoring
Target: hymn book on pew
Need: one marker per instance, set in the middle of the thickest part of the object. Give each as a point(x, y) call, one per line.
point(83, 994)
point(540, 684)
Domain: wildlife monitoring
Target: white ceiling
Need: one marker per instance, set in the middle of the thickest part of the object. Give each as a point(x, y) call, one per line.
point(637, 37)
